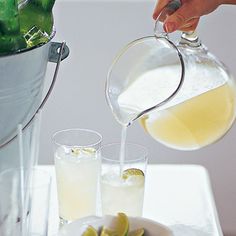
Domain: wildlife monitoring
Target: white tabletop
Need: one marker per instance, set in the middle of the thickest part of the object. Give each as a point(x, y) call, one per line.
point(178, 196)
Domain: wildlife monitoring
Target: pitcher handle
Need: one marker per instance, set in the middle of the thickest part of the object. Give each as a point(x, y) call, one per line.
point(159, 32)
point(168, 10)
point(57, 53)
point(190, 38)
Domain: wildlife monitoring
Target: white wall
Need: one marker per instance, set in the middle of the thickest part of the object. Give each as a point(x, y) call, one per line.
point(95, 31)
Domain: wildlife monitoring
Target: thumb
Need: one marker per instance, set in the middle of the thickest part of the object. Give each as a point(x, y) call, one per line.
point(159, 7)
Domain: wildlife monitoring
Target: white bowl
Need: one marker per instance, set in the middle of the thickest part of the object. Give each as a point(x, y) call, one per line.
point(78, 227)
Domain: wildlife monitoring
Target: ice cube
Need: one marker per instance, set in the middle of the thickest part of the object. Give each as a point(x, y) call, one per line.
point(36, 36)
point(135, 180)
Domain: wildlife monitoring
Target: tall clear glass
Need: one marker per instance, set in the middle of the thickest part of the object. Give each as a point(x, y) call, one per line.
point(77, 163)
point(24, 205)
point(122, 185)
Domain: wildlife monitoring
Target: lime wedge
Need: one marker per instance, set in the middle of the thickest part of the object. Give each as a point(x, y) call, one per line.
point(75, 151)
point(132, 172)
point(122, 225)
point(86, 151)
point(108, 232)
point(137, 232)
point(90, 231)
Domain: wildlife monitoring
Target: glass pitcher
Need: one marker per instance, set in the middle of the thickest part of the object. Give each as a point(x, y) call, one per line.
point(183, 95)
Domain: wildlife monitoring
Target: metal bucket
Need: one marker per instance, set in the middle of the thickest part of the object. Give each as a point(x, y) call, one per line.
point(21, 85)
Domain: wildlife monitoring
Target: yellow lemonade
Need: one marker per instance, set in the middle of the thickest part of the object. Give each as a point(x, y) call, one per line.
point(202, 111)
point(196, 122)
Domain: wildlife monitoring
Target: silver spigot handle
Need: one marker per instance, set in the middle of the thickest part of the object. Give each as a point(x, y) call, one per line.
point(57, 53)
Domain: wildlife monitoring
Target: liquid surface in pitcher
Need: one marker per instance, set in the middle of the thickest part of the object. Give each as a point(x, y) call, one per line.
point(196, 117)
point(194, 123)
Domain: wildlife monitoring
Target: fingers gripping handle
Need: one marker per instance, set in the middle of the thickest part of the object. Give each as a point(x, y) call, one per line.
point(169, 9)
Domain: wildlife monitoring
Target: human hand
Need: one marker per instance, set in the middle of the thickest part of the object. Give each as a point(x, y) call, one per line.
point(186, 18)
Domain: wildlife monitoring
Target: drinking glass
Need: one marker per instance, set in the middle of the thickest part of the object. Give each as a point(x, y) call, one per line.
point(24, 204)
point(77, 163)
point(123, 181)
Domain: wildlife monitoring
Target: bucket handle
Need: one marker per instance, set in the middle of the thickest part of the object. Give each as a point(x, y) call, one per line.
point(57, 53)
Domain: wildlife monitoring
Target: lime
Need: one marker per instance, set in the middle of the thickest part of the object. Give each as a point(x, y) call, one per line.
point(132, 172)
point(137, 232)
point(75, 151)
point(108, 232)
point(122, 225)
point(90, 231)
point(88, 150)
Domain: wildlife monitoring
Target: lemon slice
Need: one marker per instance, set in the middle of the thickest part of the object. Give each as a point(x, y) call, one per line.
point(132, 172)
point(137, 232)
point(108, 232)
point(122, 225)
point(90, 231)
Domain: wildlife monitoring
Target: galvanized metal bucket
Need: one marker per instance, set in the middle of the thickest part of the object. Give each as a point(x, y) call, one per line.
point(21, 85)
